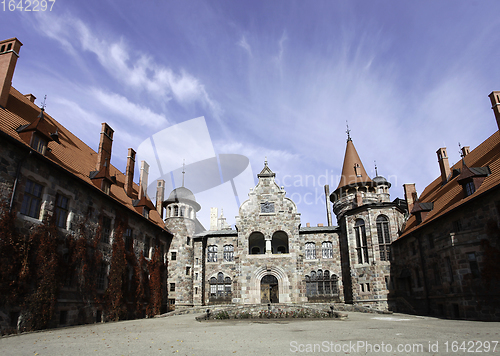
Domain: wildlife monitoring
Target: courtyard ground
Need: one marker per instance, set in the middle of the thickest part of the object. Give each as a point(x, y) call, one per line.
point(360, 334)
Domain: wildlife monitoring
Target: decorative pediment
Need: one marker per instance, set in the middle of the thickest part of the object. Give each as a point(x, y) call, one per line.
point(266, 172)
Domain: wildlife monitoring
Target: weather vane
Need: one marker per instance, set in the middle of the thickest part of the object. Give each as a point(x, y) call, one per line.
point(44, 104)
point(348, 131)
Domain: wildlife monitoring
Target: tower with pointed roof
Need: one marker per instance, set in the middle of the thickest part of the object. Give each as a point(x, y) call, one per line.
point(369, 222)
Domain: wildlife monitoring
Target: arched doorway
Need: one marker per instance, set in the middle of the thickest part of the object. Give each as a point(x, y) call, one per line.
point(269, 289)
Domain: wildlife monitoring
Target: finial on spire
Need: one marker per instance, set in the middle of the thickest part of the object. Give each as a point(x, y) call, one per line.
point(376, 172)
point(183, 170)
point(265, 161)
point(348, 131)
point(44, 104)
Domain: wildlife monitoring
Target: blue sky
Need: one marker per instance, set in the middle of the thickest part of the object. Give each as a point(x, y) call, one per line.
point(275, 79)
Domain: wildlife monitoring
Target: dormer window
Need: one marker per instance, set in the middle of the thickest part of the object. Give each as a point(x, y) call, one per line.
point(469, 188)
point(145, 213)
point(106, 187)
point(39, 144)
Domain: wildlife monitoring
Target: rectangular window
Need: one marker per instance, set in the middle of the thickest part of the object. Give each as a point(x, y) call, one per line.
point(361, 244)
point(327, 249)
point(106, 229)
point(310, 251)
point(61, 210)
point(474, 268)
point(228, 253)
point(188, 271)
point(212, 253)
point(39, 144)
point(197, 261)
point(196, 276)
point(173, 256)
point(129, 241)
point(147, 246)
point(195, 290)
point(32, 199)
point(469, 188)
point(172, 287)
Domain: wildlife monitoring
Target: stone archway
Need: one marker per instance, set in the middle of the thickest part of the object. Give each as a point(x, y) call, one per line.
point(269, 289)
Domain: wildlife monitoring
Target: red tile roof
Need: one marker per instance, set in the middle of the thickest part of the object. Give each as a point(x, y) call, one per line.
point(71, 153)
point(450, 196)
point(350, 174)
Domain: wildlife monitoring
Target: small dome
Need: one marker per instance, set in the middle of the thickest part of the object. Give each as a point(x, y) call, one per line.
point(379, 180)
point(182, 194)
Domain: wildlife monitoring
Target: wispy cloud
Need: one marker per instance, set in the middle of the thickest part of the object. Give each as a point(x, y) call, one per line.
point(139, 71)
point(244, 44)
point(134, 113)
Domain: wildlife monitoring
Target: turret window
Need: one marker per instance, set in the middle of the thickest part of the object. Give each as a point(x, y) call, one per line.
point(384, 239)
point(361, 242)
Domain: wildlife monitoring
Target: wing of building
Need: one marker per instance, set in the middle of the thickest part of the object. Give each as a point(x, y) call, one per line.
point(446, 261)
point(48, 172)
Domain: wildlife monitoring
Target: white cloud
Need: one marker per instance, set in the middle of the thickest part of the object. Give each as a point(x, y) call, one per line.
point(140, 72)
point(244, 44)
point(134, 113)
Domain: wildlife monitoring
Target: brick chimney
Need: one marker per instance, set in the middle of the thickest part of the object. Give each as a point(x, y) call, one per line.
point(410, 195)
point(129, 173)
point(495, 105)
point(160, 196)
point(465, 151)
point(105, 144)
point(9, 52)
point(444, 165)
point(143, 179)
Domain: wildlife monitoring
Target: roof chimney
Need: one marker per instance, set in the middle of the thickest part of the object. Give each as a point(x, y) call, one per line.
point(465, 151)
point(495, 105)
point(410, 195)
point(9, 52)
point(160, 196)
point(129, 173)
point(30, 97)
point(143, 179)
point(105, 144)
point(444, 165)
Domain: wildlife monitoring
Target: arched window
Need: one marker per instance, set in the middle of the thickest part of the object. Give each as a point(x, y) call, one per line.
point(183, 209)
point(228, 253)
point(320, 286)
point(212, 253)
point(220, 288)
point(310, 251)
point(361, 243)
point(279, 243)
point(256, 243)
point(327, 249)
point(169, 211)
point(176, 210)
point(384, 239)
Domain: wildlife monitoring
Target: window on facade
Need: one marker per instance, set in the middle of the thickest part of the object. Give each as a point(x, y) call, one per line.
point(256, 243)
point(188, 240)
point(39, 144)
point(384, 239)
point(364, 287)
point(319, 283)
point(361, 243)
point(327, 249)
point(469, 188)
point(197, 261)
point(474, 268)
point(212, 253)
point(32, 199)
point(173, 256)
point(310, 251)
point(129, 242)
point(145, 213)
point(147, 246)
point(196, 276)
point(450, 269)
point(220, 287)
point(101, 277)
point(279, 242)
point(61, 210)
point(188, 271)
point(182, 211)
point(172, 287)
point(457, 226)
point(228, 253)
point(176, 210)
point(106, 186)
point(106, 229)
